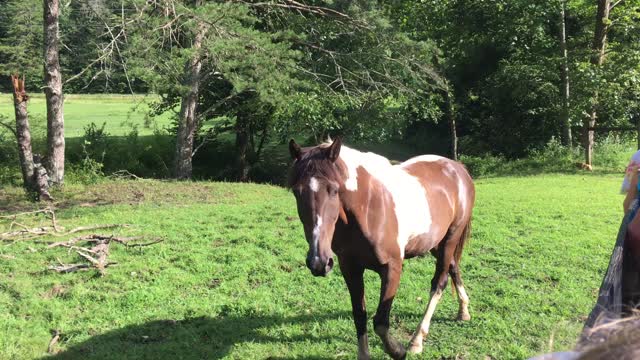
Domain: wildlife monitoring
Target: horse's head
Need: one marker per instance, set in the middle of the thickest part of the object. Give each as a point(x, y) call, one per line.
point(316, 181)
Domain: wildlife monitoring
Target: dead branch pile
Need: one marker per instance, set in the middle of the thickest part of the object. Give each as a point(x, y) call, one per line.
point(24, 232)
point(94, 248)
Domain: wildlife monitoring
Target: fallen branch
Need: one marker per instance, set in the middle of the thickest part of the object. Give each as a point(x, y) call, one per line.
point(87, 228)
point(124, 174)
point(139, 244)
point(54, 340)
point(97, 255)
point(34, 232)
point(14, 216)
point(72, 241)
point(31, 233)
point(62, 268)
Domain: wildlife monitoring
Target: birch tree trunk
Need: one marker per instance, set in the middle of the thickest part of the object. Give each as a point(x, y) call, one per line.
point(598, 47)
point(564, 116)
point(53, 92)
point(23, 132)
point(188, 119)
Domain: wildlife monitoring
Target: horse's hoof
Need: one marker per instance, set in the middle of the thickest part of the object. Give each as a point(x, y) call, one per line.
point(364, 356)
point(395, 349)
point(464, 317)
point(400, 355)
point(414, 348)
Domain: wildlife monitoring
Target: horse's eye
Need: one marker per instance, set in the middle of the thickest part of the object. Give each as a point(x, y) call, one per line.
point(332, 190)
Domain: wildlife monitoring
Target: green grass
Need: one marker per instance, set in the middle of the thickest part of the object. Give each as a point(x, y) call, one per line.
point(120, 112)
point(229, 281)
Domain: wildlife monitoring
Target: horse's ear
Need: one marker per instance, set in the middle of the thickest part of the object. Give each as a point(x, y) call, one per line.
point(334, 149)
point(294, 149)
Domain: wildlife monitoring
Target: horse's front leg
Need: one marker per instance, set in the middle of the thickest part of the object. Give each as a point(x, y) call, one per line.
point(390, 279)
point(353, 276)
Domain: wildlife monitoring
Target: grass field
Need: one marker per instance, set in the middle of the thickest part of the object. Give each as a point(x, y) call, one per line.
point(229, 280)
point(120, 112)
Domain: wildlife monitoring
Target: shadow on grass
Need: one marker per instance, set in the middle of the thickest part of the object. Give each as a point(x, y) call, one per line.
point(196, 338)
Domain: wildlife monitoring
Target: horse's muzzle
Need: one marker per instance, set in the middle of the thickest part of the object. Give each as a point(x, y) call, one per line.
point(318, 266)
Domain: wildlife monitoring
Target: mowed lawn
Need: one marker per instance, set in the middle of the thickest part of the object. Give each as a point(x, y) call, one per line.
point(229, 280)
point(121, 113)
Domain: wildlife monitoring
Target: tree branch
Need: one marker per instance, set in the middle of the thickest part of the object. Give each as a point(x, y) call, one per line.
point(13, 131)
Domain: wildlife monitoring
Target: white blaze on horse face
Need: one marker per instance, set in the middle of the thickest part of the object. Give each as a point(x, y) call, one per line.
point(314, 185)
point(411, 207)
point(316, 232)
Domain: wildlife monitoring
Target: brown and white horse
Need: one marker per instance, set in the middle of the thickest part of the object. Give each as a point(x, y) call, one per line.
point(373, 215)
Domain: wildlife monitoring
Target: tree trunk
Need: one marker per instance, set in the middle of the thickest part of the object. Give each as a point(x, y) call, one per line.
point(53, 93)
point(242, 147)
point(451, 115)
point(188, 119)
point(564, 116)
point(34, 176)
point(598, 50)
point(23, 132)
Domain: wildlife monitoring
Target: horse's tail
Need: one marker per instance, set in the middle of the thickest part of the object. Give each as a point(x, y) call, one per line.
point(457, 253)
point(464, 238)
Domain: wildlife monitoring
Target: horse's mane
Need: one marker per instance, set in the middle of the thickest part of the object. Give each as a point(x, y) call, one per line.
point(313, 163)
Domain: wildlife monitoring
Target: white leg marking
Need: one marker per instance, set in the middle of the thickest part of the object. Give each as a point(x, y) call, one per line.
point(423, 328)
point(314, 185)
point(463, 313)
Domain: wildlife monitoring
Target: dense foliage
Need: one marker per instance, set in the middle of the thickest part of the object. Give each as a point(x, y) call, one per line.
point(370, 70)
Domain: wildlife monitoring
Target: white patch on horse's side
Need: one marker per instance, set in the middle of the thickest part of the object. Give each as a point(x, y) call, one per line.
point(462, 194)
point(423, 158)
point(314, 185)
point(409, 196)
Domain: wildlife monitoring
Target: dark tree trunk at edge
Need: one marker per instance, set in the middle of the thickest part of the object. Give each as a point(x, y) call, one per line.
point(451, 116)
point(597, 57)
point(53, 92)
point(564, 115)
point(188, 117)
point(242, 147)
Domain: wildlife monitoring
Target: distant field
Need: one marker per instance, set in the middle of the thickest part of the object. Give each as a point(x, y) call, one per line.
point(229, 281)
point(119, 112)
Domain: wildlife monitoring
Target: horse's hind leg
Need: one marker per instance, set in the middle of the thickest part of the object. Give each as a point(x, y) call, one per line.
point(438, 283)
point(463, 299)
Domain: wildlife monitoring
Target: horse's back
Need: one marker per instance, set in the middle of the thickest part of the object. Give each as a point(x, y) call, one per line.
point(447, 182)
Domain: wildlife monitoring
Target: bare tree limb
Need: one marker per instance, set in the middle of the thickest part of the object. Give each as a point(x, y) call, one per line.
point(615, 4)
